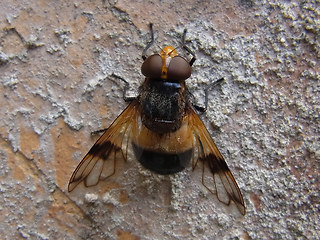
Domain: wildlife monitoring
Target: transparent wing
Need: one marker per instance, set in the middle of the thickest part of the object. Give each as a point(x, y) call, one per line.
point(100, 162)
point(216, 175)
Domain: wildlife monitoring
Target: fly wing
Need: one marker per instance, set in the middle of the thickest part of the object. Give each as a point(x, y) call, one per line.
point(216, 175)
point(100, 162)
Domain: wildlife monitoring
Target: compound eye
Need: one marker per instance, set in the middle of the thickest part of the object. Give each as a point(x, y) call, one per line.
point(179, 69)
point(152, 66)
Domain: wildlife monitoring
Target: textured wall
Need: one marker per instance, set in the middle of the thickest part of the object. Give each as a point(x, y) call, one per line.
point(55, 59)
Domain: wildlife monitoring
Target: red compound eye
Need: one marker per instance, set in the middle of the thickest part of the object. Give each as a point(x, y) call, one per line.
point(152, 66)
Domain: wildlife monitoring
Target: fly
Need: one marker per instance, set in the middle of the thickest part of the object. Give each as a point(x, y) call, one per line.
point(164, 130)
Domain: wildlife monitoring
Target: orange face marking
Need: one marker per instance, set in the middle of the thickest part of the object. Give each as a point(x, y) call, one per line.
point(166, 54)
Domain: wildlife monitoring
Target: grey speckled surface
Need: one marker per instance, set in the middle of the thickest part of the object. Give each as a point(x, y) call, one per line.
point(55, 59)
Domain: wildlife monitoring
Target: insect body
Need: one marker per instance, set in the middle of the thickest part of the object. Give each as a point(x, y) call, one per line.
point(165, 132)
point(163, 143)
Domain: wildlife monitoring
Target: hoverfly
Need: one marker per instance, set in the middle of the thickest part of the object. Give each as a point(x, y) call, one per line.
point(164, 130)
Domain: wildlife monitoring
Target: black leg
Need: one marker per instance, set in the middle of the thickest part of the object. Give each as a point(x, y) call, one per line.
point(187, 49)
point(149, 44)
point(99, 131)
point(206, 92)
point(125, 98)
point(125, 89)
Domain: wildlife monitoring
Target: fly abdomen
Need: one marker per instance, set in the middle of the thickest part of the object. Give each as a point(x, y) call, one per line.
point(162, 162)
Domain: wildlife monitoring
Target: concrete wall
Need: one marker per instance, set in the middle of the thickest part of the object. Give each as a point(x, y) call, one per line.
point(55, 61)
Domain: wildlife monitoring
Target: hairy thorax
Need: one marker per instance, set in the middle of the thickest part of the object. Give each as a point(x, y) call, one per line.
point(163, 105)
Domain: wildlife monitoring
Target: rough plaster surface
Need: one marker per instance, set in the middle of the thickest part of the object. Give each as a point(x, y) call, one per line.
point(55, 59)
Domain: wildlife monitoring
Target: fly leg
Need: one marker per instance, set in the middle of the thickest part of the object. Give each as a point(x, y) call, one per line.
point(124, 96)
point(125, 89)
point(194, 58)
point(149, 44)
point(206, 93)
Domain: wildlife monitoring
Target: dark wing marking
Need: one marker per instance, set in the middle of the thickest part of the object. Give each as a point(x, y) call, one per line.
point(100, 162)
point(214, 166)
